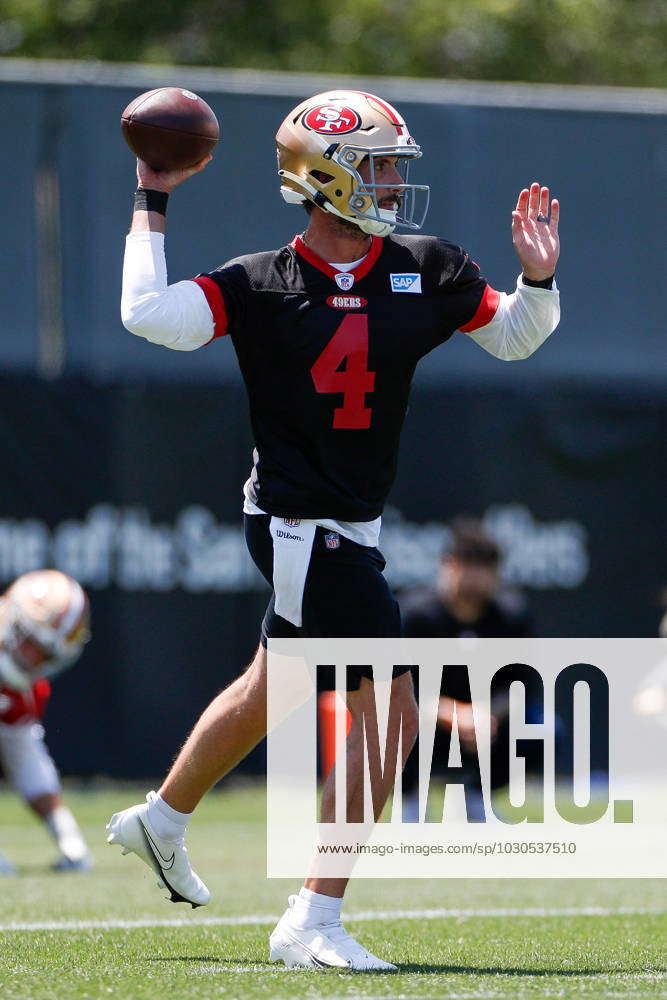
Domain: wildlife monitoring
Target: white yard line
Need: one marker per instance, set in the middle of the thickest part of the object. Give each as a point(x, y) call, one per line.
point(268, 919)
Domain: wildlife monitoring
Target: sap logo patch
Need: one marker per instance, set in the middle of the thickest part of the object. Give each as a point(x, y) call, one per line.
point(406, 282)
point(332, 540)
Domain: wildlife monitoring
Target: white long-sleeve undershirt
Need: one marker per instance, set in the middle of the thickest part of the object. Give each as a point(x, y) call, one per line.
point(522, 322)
point(176, 316)
point(179, 317)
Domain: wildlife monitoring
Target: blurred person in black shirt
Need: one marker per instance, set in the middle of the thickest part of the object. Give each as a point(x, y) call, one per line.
point(468, 600)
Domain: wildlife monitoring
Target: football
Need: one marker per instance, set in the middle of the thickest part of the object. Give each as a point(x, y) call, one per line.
point(170, 128)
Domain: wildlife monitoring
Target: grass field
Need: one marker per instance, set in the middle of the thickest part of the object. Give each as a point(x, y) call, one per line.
point(110, 933)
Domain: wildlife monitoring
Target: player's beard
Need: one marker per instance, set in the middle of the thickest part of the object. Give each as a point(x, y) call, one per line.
point(348, 229)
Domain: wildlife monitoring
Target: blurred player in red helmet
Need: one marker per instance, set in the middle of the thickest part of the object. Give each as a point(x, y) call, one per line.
point(44, 625)
point(328, 331)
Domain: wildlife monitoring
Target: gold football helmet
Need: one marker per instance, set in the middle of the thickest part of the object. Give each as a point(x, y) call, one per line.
point(44, 625)
point(321, 145)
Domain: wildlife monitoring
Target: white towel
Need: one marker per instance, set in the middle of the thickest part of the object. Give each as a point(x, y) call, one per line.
point(292, 547)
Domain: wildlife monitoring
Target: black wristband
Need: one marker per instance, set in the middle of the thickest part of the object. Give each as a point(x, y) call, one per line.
point(544, 283)
point(147, 200)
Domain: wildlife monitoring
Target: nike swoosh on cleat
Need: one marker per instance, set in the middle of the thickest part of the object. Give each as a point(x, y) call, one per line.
point(165, 863)
point(320, 963)
point(159, 871)
point(175, 896)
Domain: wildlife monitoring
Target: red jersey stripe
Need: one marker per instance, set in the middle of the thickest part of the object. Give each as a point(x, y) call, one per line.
point(216, 303)
point(322, 265)
point(486, 310)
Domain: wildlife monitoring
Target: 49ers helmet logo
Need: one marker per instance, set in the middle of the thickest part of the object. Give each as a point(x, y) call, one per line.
point(331, 120)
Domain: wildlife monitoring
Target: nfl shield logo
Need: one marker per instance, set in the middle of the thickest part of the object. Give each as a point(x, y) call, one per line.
point(332, 540)
point(344, 280)
point(292, 522)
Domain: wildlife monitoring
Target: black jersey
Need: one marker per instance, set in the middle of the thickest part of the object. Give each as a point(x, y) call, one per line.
point(425, 616)
point(328, 359)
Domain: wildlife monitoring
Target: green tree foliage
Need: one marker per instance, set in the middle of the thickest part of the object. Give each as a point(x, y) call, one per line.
point(621, 42)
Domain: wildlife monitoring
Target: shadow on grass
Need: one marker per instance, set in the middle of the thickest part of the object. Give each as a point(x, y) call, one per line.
point(477, 970)
point(254, 962)
point(406, 968)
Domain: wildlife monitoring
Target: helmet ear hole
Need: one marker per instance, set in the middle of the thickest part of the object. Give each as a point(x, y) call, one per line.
point(321, 176)
point(339, 193)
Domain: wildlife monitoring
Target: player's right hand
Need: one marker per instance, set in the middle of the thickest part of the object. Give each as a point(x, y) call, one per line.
point(166, 180)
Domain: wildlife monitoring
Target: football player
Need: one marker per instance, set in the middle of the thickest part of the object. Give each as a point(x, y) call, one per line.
point(44, 624)
point(328, 330)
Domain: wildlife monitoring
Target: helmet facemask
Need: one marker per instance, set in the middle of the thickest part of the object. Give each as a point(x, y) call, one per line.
point(413, 199)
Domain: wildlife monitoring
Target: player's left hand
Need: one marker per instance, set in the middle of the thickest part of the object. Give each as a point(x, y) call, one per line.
point(535, 232)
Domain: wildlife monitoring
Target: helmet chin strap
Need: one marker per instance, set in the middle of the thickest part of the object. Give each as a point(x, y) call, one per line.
point(376, 228)
point(372, 227)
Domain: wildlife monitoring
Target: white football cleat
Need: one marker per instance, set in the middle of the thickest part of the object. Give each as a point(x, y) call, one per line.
point(69, 864)
point(168, 858)
point(327, 946)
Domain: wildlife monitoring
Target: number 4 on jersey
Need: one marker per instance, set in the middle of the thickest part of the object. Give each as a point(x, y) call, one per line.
point(349, 344)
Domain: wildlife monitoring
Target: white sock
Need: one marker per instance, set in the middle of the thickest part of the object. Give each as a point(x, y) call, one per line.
point(313, 908)
point(168, 823)
point(66, 833)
